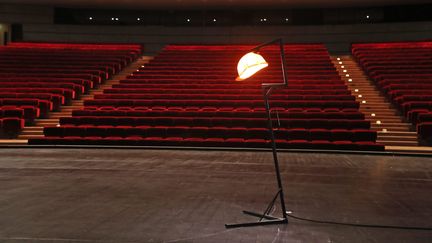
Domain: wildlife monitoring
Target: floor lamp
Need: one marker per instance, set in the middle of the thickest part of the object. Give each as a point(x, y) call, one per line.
point(248, 65)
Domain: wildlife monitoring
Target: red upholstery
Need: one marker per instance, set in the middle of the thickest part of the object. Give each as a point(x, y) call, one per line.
point(10, 126)
point(186, 96)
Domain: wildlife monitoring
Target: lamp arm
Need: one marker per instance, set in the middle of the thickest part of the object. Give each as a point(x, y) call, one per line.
point(282, 59)
point(283, 63)
point(257, 48)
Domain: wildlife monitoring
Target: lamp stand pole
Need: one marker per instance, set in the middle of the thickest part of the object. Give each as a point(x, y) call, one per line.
point(265, 218)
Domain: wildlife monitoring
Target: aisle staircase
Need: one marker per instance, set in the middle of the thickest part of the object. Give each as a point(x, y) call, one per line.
point(36, 130)
point(391, 128)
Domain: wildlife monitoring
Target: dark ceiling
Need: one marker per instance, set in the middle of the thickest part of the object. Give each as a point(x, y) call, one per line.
point(215, 4)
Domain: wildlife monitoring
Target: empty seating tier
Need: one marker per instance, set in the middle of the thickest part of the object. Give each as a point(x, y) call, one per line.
point(187, 96)
point(36, 78)
point(403, 71)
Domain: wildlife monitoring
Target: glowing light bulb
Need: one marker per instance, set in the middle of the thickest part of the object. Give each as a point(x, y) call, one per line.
point(378, 122)
point(347, 75)
point(345, 71)
point(249, 64)
point(360, 96)
point(356, 90)
point(340, 62)
point(384, 130)
point(342, 66)
point(338, 59)
point(373, 114)
point(364, 101)
point(349, 80)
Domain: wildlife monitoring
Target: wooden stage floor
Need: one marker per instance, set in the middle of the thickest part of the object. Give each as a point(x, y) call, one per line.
point(127, 195)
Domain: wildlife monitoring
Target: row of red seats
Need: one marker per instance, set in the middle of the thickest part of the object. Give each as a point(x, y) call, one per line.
point(130, 48)
point(293, 74)
point(256, 90)
point(73, 90)
point(55, 100)
point(242, 48)
point(356, 135)
point(256, 82)
point(67, 94)
point(111, 63)
point(215, 121)
point(247, 113)
point(44, 106)
point(51, 69)
point(29, 112)
point(210, 142)
point(109, 66)
point(390, 81)
point(225, 103)
point(222, 97)
point(392, 59)
point(41, 73)
point(82, 84)
point(245, 86)
point(215, 109)
point(225, 67)
point(411, 106)
point(201, 62)
point(96, 70)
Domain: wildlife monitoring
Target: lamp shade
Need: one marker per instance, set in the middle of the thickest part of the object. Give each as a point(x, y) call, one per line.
point(250, 64)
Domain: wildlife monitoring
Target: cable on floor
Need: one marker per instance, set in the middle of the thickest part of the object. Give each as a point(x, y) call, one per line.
point(360, 225)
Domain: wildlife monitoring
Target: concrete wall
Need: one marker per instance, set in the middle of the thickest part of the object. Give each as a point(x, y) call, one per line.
point(38, 26)
point(26, 14)
point(337, 37)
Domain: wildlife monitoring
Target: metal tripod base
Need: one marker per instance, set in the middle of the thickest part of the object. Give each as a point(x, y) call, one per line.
point(264, 220)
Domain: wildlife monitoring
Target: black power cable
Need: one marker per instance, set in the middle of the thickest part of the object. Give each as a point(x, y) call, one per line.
point(360, 225)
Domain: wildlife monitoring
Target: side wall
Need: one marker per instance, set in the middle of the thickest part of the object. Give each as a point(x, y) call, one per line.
point(38, 26)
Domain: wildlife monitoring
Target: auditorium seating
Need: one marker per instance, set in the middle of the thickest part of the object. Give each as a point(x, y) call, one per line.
point(403, 71)
point(37, 78)
point(12, 119)
point(187, 96)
